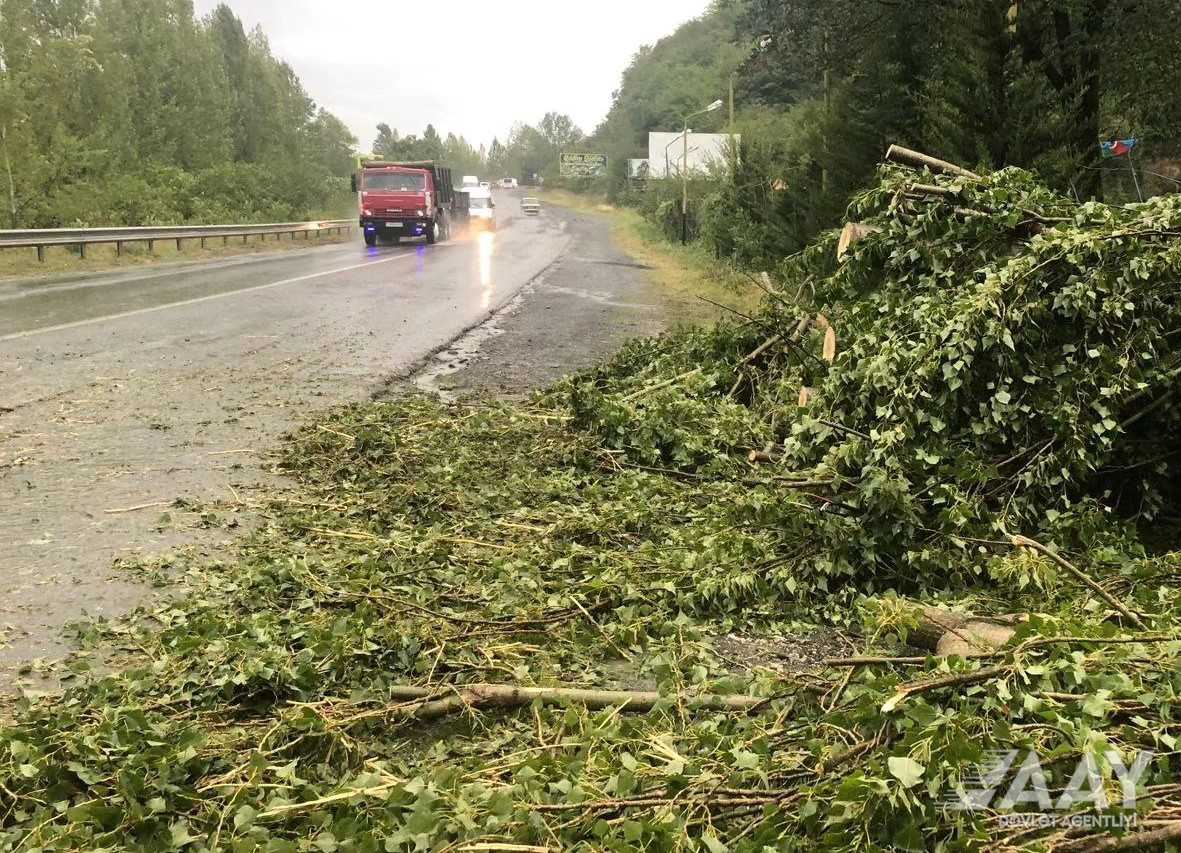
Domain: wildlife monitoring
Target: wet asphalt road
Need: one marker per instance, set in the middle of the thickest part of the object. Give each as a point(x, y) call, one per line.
point(127, 390)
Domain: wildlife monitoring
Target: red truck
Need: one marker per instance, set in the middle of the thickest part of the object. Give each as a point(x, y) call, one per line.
point(399, 200)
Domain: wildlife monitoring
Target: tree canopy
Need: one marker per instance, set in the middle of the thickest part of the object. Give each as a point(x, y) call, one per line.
point(824, 86)
point(135, 112)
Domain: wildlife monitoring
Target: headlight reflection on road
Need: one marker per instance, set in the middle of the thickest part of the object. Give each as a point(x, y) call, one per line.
point(486, 243)
point(420, 261)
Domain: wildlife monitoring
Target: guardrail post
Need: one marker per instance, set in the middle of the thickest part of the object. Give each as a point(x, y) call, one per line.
point(225, 241)
point(82, 251)
point(118, 248)
point(202, 242)
point(41, 254)
point(151, 246)
point(178, 246)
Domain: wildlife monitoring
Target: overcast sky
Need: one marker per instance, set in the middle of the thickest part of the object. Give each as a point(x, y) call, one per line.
point(369, 61)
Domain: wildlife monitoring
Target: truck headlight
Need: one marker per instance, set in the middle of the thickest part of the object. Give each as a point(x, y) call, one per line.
point(366, 212)
point(420, 213)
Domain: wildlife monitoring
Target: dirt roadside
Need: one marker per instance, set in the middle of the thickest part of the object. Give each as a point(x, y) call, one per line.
point(581, 311)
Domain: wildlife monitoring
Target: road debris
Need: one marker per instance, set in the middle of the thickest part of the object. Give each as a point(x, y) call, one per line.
point(999, 408)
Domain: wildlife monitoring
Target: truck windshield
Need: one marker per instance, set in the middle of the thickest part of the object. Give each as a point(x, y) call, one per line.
point(404, 182)
point(480, 203)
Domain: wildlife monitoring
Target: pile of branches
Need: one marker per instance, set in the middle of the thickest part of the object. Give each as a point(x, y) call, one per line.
point(973, 358)
point(948, 439)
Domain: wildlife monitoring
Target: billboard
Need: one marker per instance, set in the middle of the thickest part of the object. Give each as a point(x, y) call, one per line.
point(581, 165)
point(637, 169)
point(706, 150)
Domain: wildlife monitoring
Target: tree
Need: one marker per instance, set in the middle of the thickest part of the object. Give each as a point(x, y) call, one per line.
point(134, 112)
point(387, 141)
point(560, 131)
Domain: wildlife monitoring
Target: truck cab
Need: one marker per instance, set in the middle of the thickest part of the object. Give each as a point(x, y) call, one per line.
point(398, 200)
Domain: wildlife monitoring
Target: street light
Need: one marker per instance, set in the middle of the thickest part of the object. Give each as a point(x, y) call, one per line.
point(715, 106)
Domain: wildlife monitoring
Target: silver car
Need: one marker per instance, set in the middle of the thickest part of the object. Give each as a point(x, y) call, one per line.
point(530, 207)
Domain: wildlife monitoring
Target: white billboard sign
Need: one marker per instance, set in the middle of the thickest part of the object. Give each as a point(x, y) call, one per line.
point(706, 150)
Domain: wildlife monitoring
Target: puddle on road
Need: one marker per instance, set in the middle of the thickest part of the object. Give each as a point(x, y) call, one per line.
point(463, 351)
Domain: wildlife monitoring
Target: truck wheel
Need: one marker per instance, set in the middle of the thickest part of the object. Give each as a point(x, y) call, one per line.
point(371, 239)
point(432, 232)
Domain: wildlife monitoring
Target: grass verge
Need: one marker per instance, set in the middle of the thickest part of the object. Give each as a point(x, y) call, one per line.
point(683, 274)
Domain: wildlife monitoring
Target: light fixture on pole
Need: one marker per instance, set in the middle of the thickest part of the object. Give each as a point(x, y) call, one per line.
point(716, 105)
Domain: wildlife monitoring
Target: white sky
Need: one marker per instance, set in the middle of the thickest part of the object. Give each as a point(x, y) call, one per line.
point(500, 61)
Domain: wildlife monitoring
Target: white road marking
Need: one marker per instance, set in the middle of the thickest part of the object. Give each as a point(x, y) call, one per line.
point(140, 311)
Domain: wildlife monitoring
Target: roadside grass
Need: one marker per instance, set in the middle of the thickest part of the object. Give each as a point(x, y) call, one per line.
point(59, 260)
point(687, 275)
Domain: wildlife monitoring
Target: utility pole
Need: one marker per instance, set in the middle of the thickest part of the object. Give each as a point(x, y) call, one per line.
point(716, 105)
point(827, 122)
point(1135, 178)
point(732, 73)
point(685, 187)
point(733, 144)
point(8, 170)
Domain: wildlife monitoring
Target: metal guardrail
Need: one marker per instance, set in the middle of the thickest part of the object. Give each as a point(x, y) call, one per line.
point(83, 237)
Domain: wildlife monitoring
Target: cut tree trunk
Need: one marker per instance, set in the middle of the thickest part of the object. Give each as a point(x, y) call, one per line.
point(946, 633)
point(853, 233)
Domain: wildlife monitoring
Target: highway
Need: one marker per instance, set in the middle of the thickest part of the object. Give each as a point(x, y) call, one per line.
point(121, 392)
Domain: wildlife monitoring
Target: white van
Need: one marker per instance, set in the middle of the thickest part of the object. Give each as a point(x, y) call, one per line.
point(481, 209)
point(470, 181)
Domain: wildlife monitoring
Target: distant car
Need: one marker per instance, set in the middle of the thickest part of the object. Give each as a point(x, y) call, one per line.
point(485, 185)
point(530, 207)
point(481, 210)
point(508, 183)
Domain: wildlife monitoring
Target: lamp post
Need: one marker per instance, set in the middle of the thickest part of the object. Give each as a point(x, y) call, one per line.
point(716, 105)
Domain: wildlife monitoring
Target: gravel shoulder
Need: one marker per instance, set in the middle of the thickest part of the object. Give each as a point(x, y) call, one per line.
point(578, 312)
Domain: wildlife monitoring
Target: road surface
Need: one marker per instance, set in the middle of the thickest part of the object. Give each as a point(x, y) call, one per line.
point(121, 392)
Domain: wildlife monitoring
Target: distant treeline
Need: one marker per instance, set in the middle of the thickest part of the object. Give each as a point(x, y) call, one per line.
point(132, 112)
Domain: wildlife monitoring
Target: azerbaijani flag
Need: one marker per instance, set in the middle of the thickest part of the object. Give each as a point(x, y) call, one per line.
point(1118, 148)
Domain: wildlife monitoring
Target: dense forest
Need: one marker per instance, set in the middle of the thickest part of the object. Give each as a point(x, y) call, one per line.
point(134, 112)
point(824, 86)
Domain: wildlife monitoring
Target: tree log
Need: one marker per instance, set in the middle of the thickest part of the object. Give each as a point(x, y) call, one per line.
point(854, 232)
point(918, 160)
point(431, 703)
point(946, 633)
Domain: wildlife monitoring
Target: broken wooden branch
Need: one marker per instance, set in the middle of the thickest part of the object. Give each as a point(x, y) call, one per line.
point(918, 160)
point(661, 385)
point(426, 703)
point(1026, 542)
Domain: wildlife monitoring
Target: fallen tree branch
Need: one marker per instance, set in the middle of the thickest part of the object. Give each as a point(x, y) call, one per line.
point(429, 703)
point(1026, 542)
point(918, 160)
point(1151, 840)
point(661, 385)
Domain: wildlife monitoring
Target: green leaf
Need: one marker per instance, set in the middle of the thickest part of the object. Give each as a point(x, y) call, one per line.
point(906, 770)
point(713, 844)
point(245, 818)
